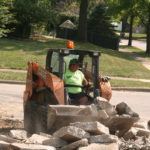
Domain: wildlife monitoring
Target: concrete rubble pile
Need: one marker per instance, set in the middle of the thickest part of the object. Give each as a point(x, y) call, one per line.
point(99, 126)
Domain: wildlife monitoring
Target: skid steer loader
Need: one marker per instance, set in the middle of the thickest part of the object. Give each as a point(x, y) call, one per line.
point(45, 87)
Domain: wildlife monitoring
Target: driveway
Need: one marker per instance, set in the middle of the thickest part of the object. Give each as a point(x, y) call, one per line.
point(139, 44)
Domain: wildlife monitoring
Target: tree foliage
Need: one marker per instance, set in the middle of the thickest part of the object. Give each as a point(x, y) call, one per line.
point(6, 16)
point(29, 12)
point(100, 22)
point(133, 9)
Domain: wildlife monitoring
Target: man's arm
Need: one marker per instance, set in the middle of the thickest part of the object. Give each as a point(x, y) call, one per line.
point(85, 82)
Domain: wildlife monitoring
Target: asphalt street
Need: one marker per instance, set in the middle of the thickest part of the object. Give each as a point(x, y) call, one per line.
point(11, 101)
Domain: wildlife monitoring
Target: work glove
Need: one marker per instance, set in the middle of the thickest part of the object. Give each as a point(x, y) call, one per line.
point(105, 78)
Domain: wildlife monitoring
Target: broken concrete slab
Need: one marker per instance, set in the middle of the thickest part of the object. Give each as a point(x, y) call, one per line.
point(105, 105)
point(123, 108)
point(146, 148)
point(45, 134)
point(75, 145)
point(131, 134)
point(4, 145)
point(36, 139)
point(8, 139)
point(71, 133)
point(88, 110)
point(112, 146)
point(18, 134)
point(102, 115)
point(62, 115)
point(143, 132)
point(92, 127)
point(22, 146)
point(120, 124)
point(55, 142)
point(105, 138)
point(141, 124)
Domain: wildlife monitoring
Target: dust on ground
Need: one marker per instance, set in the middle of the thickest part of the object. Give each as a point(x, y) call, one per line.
point(7, 124)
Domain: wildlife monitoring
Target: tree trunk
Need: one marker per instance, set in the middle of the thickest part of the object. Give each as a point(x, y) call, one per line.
point(148, 33)
point(82, 30)
point(124, 24)
point(130, 30)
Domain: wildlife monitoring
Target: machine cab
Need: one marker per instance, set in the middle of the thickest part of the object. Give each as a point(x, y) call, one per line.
point(57, 62)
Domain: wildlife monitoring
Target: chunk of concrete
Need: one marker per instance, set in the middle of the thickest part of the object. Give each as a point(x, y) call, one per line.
point(102, 115)
point(62, 115)
point(75, 145)
point(120, 124)
point(22, 146)
point(141, 124)
point(36, 139)
point(93, 110)
point(4, 145)
point(123, 108)
point(146, 147)
point(131, 134)
point(105, 105)
point(55, 142)
point(105, 138)
point(71, 133)
point(92, 127)
point(18, 134)
point(143, 132)
point(8, 139)
point(88, 110)
point(112, 146)
point(45, 134)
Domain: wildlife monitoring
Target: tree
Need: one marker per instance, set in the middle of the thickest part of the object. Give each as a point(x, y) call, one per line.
point(82, 29)
point(133, 9)
point(100, 22)
point(29, 12)
point(5, 17)
point(125, 9)
point(144, 14)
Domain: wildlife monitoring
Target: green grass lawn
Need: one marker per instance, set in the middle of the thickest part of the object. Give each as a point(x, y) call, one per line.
point(136, 36)
point(7, 75)
point(137, 52)
point(16, 53)
point(129, 83)
point(114, 82)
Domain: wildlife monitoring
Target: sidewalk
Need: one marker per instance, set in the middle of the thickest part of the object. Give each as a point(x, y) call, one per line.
point(119, 78)
point(139, 44)
point(113, 88)
point(145, 62)
point(136, 43)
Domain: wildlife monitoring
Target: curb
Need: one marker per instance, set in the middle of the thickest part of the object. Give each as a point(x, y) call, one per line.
point(113, 88)
point(12, 82)
point(136, 89)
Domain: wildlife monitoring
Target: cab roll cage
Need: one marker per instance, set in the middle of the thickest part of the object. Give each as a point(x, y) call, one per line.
point(62, 52)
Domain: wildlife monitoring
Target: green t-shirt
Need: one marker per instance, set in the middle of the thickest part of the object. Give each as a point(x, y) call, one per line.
point(74, 78)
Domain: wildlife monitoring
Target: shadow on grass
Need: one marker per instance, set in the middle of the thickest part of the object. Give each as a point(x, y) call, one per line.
point(30, 45)
point(136, 51)
point(40, 46)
